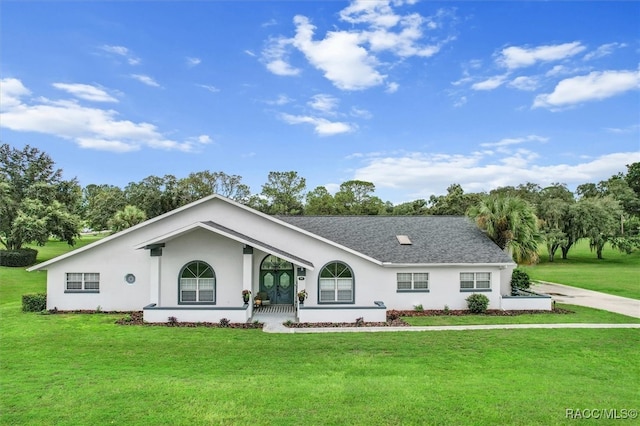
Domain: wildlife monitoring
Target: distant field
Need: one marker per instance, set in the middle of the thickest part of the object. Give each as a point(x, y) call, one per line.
point(618, 273)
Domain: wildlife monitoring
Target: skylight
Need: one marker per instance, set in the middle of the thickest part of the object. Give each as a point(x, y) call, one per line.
point(404, 240)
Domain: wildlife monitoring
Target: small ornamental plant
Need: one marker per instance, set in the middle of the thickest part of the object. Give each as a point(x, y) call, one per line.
point(302, 295)
point(246, 295)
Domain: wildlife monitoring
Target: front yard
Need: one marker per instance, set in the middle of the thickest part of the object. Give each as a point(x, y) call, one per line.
point(70, 369)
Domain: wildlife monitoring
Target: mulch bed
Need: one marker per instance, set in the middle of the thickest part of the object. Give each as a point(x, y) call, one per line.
point(398, 322)
point(463, 312)
point(136, 318)
point(394, 318)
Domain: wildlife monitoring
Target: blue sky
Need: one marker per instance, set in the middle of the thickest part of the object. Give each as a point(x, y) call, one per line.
point(412, 96)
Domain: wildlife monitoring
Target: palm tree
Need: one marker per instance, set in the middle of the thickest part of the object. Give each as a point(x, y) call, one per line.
point(511, 223)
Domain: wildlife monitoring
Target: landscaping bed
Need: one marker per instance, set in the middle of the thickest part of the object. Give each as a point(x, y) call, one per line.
point(397, 322)
point(466, 312)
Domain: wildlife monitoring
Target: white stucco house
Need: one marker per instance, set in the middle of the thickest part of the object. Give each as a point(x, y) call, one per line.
point(194, 262)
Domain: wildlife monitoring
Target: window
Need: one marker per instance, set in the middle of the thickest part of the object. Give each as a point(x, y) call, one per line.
point(475, 281)
point(336, 284)
point(413, 281)
point(197, 284)
point(83, 281)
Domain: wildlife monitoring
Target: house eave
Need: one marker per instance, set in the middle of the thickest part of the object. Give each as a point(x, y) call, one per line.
point(445, 265)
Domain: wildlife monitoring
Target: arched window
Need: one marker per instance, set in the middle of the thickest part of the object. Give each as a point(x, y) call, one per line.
point(336, 284)
point(197, 283)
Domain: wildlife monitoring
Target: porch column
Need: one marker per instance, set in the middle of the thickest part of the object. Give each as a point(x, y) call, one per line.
point(247, 268)
point(155, 271)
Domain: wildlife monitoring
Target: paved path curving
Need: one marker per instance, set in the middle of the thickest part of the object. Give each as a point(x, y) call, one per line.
point(589, 298)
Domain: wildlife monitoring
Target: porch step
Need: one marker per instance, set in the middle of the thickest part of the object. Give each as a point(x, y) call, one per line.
point(275, 309)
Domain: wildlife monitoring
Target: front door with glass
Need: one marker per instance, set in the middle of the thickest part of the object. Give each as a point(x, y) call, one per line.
point(276, 279)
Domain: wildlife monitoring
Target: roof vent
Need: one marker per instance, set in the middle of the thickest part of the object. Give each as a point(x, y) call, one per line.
point(403, 240)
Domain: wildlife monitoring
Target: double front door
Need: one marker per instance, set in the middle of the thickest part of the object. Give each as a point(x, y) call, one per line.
point(276, 279)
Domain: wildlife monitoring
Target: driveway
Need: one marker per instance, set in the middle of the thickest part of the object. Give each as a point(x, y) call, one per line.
point(592, 299)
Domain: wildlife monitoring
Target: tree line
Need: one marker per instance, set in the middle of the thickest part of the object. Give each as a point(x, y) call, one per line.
point(36, 203)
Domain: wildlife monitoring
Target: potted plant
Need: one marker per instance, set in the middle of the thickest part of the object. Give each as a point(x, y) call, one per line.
point(246, 295)
point(302, 294)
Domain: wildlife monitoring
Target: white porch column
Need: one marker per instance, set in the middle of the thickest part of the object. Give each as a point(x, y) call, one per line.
point(247, 268)
point(155, 275)
point(247, 275)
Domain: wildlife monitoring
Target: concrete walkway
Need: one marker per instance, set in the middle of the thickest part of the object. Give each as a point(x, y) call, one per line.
point(591, 299)
point(453, 328)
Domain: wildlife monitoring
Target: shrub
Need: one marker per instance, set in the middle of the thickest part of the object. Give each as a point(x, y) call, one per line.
point(173, 321)
point(16, 258)
point(446, 309)
point(224, 322)
point(418, 308)
point(36, 302)
point(359, 322)
point(477, 303)
point(519, 281)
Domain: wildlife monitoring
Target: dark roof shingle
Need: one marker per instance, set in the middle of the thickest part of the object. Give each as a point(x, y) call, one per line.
point(434, 239)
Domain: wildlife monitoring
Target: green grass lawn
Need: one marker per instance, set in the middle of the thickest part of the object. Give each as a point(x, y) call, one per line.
point(618, 273)
point(70, 369)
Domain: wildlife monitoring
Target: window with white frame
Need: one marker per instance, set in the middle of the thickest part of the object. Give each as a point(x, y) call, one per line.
point(82, 281)
point(475, 281)
point(336, 284)
point(413, 281)
point(197, 283)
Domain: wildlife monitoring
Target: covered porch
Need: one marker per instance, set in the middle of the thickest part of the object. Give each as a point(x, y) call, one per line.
point(232, 262)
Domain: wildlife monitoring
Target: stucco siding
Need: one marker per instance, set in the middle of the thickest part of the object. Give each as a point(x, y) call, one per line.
point(113, 264)
point(222, 254)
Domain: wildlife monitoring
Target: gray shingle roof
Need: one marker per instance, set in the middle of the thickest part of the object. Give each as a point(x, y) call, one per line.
point(435, 239)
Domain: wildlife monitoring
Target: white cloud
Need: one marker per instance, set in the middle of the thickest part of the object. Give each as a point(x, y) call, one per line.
point(250, 53)
point(12, 90)
point(392, 87)
point(424, 174)
point(344, 62)
point(212, 89)
point(145, 79)
point(603, 50)
point(629, 129)
point(122, 51)
point(490, 83)
point(514, 141)
point(280, 100)
point(524, 83)
point(88, 127)
point(322, 126)
point(86, 92)
point(276, 54)
point(323, 103)
point(513, 57)
point(597, 85)
point(192, 62)
point(349, 58)
point(361, 113)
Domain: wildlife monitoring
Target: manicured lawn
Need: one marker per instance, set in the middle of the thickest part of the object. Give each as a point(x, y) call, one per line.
point(616, 274)
point(83, 369)
point(580, 315)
